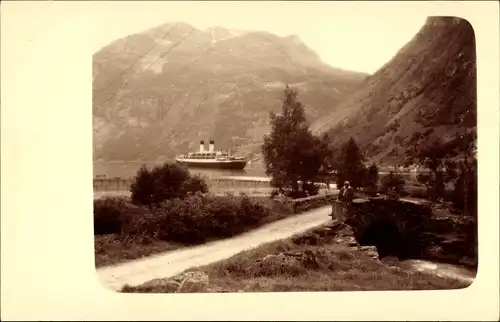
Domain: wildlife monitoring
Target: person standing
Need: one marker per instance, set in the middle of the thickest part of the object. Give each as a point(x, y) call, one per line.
point(346, 193)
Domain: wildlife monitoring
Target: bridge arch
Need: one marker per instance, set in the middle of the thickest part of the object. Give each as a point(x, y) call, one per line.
point(385, 235)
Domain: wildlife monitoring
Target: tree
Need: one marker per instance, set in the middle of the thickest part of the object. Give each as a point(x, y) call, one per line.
point(392, 185)
point(350, 165)
point(435, 156)
point(328, 167)
point(142, 188)
point(164, 182)
point(196, 183)
point(371, 182)
point(465, 190)
point(291, 152)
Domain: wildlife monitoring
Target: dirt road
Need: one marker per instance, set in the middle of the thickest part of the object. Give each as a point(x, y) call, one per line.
point(174, 262)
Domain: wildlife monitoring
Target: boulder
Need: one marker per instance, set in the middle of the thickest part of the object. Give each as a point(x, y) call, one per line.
point(293, 263)
point(390, 261)
point(369, 250)
point(192, 282)
point(347, 240)
point(166, 285)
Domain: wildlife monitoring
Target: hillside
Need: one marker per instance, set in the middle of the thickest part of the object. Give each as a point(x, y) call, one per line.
point(427, 91)
point(194, 85)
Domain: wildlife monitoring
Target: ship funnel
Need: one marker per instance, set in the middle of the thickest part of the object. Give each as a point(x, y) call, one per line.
point(211, 147)
point(202, 146)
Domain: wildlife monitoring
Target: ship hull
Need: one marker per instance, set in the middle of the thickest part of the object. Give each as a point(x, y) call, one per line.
point(226, 165)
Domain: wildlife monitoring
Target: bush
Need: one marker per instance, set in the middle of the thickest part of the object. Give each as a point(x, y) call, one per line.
point(310, 188)
point(165, 182)
point(111, 213)
point(392, 185)
point(196, 183)
point(464, 195)
point(199, 218)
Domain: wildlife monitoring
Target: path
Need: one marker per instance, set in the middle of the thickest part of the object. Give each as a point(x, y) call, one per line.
point(174, 262)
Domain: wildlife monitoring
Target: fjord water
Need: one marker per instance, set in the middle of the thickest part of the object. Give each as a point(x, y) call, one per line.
point(128, 169)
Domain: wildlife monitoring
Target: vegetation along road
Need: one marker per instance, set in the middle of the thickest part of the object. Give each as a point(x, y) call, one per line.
point(174, 262)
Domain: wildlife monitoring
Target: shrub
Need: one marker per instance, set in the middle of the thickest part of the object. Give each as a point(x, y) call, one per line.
point(111, 213)
point(435, 184)
point(196, 183)
point(464, 195)
point(165, 182)
point(199, 218)
point(392, 185)
point(310, 188)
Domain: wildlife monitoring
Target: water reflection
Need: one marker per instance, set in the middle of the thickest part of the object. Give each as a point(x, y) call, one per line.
point(129, 169)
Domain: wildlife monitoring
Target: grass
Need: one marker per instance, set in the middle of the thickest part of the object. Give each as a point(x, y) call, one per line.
point(340, 269)
point(114, 249)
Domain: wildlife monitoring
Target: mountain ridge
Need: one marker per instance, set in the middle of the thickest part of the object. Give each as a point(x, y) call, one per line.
point(187, 89)
point(426, 91)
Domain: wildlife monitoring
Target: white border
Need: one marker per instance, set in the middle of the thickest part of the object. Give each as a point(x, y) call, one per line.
point(46, 233)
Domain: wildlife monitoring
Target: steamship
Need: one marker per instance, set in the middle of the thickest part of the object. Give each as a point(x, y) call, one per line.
point(212, 159)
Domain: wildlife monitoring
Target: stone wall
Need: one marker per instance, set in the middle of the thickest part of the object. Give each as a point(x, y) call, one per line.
point(407, 229)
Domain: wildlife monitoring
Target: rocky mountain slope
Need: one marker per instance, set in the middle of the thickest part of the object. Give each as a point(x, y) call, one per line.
point(159, 92)
point(427, 91)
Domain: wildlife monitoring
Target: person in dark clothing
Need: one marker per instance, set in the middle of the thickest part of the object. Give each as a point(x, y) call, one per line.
point(346, 193)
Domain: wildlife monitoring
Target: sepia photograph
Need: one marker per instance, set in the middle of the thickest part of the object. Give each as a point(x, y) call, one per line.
point(319, 154)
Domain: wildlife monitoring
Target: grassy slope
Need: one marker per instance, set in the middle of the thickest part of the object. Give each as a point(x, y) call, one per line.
point(115, 249)
point(341, 269)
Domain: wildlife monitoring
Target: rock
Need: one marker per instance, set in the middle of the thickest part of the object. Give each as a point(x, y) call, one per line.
point(306, 239)
point(349, 240)
point(167, 285)
point(307, 258)
point(369, 250)
point(336, 225)
point(390, 261)
point(293, 263)
point(467, 261)
point(192, 282)
point(215, 289)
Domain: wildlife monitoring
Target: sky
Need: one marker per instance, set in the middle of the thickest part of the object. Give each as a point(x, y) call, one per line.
point(360, 36)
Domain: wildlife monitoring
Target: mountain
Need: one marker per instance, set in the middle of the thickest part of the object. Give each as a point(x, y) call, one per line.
point(159, 92)
point(427, 91)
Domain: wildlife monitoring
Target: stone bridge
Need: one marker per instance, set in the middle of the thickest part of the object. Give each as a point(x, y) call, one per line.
point(410, 229)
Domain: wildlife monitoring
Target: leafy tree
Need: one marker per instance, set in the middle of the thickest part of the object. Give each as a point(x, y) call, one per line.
point(350, 165)
point(142, 188)
point(291, 152)
point(328, 166)
point(434, 156)
point(392, 185)
point(164, 182)
point(465, 190)
point(371, 182)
